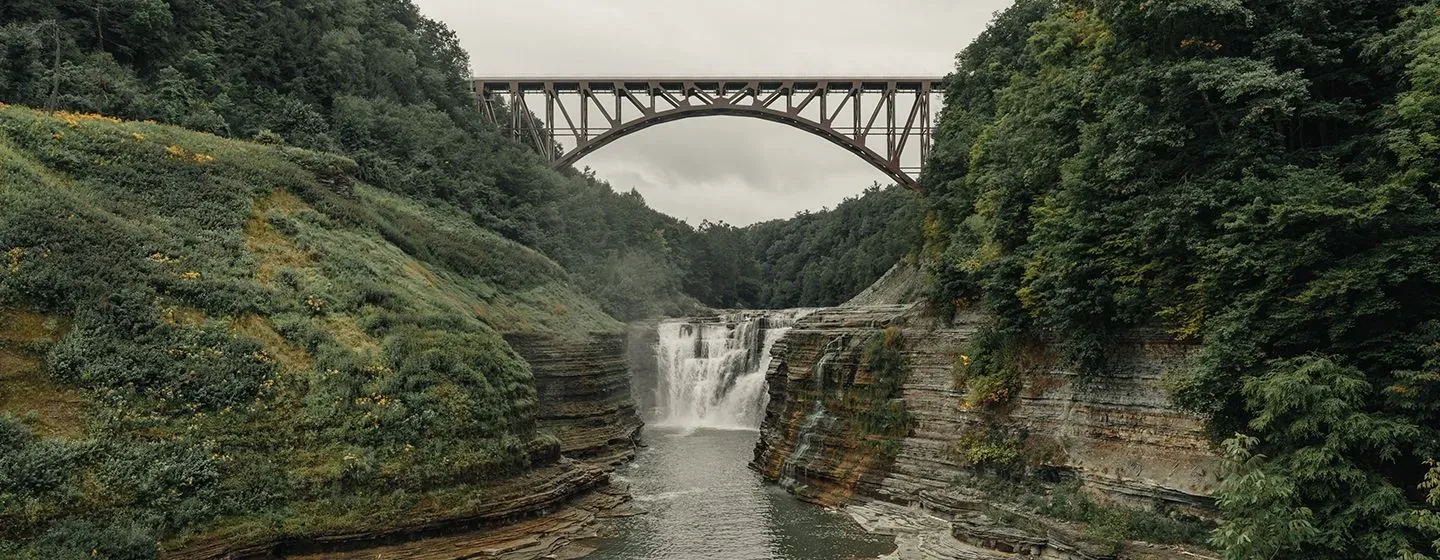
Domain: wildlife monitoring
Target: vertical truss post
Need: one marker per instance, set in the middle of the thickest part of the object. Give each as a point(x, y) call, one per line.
point(824, 97)
point(584, 112)
point(890, 122)
point(514, 110)
point(925, 130)
point(858, 92)
point(550, 121)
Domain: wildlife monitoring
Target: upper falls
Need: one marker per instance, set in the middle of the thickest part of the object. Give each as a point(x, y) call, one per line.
point(711, 371)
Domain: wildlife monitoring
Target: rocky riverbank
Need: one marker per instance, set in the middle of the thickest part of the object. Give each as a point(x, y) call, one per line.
point(527, 517)
point(584, 401)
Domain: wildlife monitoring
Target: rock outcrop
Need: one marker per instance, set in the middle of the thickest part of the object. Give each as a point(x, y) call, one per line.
point(583, 388)
point(584, 400)
point(1115, 435)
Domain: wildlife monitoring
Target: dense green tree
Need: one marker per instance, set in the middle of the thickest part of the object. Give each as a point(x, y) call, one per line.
point(813, 259)
point(1258, 178)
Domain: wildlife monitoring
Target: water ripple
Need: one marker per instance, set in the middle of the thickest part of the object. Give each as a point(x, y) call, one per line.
point(704, 503)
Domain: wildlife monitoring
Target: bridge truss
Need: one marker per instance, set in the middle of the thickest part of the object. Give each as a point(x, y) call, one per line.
point(888, 122)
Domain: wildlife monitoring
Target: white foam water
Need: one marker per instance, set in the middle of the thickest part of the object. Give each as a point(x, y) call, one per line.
point(712, 372)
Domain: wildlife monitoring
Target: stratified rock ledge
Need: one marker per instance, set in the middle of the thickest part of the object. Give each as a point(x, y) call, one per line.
point(1115, 433)
point(524, 518)
point(583, 389)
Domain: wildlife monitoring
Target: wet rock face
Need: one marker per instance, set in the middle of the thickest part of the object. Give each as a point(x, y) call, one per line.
point(820, 451)
point(1115, 433)
point(583, 388)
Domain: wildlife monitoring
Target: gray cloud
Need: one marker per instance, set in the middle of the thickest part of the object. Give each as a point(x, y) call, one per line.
point(732, 169)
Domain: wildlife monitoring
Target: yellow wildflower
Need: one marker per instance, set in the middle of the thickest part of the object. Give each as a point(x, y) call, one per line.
point(191, 275)
point(14, 255)
point(177, 151)
point(138, 137)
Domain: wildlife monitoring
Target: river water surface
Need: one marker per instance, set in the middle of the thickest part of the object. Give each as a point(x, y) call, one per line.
point(691, 479)
point(702, 502)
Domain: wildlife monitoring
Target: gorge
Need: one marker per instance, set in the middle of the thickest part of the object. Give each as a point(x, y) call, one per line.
point(703, 382)
point(806, 379)
point(283, 280)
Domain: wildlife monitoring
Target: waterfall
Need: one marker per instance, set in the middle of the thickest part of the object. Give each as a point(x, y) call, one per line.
point(711, 372)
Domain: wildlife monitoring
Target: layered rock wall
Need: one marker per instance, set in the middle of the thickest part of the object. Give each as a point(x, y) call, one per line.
point(584, 399)
point(524, 518)
point(584, 394)
point(1115, 433)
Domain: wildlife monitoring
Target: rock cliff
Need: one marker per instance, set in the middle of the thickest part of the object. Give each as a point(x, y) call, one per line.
point(1115, 436)
point(583, 389)
point(528, 517)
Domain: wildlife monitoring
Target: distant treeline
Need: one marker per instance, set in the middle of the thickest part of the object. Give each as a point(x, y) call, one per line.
point(813, 259)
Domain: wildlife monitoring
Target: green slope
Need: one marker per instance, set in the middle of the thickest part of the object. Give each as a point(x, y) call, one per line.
point(199, 332)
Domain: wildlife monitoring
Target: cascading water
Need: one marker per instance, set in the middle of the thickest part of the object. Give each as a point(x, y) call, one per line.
point(703, 382)
point(814, 418)
point(711, 374)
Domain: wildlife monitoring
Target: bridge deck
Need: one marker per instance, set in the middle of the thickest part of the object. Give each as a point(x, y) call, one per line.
point(570, 84)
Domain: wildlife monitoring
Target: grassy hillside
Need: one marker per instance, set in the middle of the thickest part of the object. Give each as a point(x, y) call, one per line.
point(371, 79)
point(197, 331)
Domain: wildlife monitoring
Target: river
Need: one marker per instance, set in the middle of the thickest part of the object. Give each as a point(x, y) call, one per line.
point(702, 502)
point(691, 480)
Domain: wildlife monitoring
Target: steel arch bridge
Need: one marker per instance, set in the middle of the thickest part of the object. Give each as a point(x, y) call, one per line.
point(886, 121)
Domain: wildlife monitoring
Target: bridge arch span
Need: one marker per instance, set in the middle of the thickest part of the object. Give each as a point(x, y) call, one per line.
point(887, 122)
point(863, 152)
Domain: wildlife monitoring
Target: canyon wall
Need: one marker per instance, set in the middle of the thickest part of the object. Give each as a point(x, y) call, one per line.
point(584, 394)
point(1113, 435)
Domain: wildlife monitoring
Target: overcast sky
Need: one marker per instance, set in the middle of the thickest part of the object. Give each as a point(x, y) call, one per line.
point(721, 168)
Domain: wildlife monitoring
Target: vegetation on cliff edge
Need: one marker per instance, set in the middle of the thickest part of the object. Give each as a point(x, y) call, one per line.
point(1260, 178)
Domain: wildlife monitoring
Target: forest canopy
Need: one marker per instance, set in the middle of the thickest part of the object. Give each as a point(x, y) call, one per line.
point(1261, 179)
